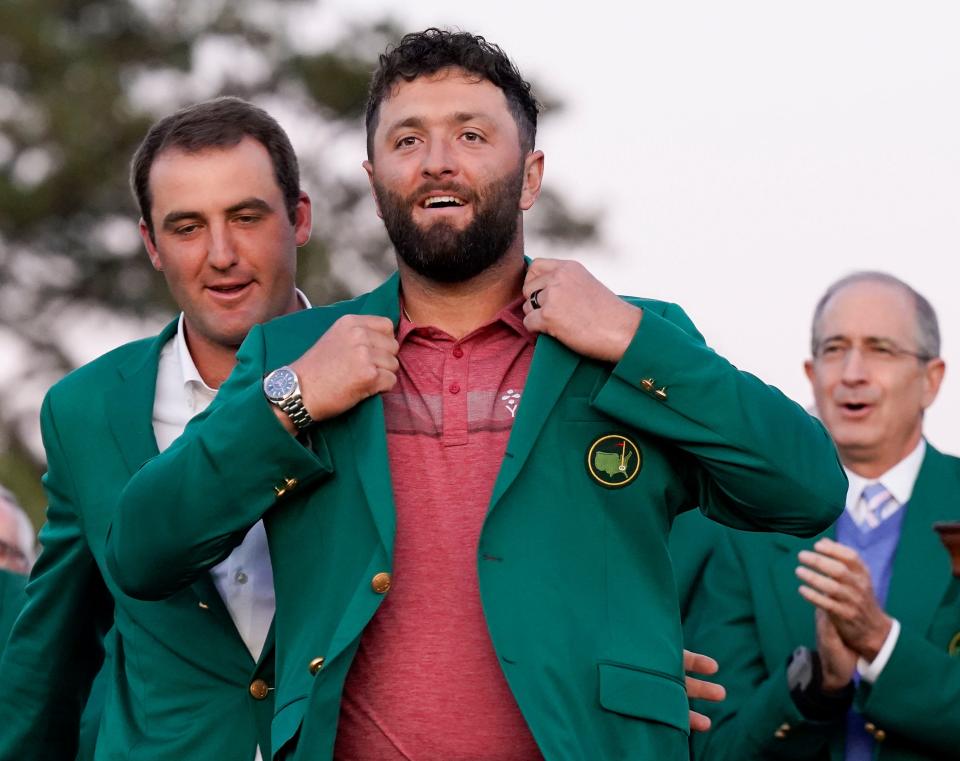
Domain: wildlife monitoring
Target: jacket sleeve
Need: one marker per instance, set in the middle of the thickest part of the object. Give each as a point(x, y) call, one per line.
point(56, 645)
point(758, 461)
point(929, 717)
point(758, 719)
point(186, 509)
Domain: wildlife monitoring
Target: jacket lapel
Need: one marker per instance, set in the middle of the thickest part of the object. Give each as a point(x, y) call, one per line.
point(369, 430)
point(129, 407)
point(921, 568)
point(130, 397)
point(551, 368)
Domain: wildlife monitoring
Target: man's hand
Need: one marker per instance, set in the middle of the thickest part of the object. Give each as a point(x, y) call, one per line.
point(354, 359)
point(578, 310)
point(694, 663)
point(837, 581)
point(836, 659)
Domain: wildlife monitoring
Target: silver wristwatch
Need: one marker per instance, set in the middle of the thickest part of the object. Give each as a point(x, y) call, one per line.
point(282, 388)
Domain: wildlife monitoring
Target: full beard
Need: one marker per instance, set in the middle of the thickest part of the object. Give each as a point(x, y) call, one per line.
point(442, 253)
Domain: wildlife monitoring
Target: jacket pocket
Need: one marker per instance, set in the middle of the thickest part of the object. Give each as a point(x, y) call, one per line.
point(644, 694)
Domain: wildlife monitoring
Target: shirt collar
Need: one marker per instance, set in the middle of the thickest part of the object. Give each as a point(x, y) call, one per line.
point(899, 480)
point(511, 316)
point(191, 375)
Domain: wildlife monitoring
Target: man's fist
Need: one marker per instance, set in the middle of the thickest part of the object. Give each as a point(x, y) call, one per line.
point(578, 310)
point(356, 358)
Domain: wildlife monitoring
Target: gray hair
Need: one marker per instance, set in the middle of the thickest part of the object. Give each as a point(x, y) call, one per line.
point(26, 533)
point(928, 329)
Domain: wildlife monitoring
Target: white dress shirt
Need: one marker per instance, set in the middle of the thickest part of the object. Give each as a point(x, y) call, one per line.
point(245, 578)
point(899, 481)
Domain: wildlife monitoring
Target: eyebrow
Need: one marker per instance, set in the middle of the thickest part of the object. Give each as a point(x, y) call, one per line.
point(252, 204)
point(866, 340)
point(417, 122)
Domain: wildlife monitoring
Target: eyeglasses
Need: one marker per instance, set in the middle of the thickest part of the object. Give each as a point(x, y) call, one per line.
point(873, 351)
point(13, 558)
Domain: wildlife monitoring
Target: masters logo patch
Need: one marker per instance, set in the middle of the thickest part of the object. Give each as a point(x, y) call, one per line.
point(613, 460)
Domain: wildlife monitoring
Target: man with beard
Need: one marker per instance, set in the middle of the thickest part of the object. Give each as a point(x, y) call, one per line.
point(468, 475)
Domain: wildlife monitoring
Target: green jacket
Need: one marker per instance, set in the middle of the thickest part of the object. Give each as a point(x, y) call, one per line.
point(180, 673)
point(692, 540)
point(751, 618)
point(584, 619)
point(11, 600)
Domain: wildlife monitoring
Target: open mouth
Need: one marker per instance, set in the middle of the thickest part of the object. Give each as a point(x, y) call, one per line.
point(230, 289)
point(442, 202)
point(856, 409)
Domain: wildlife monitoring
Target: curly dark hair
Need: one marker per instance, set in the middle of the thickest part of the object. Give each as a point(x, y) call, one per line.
point(432, 50)
point(219, 123)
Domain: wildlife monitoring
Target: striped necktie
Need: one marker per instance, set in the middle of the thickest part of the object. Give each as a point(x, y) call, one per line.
point(877, 505)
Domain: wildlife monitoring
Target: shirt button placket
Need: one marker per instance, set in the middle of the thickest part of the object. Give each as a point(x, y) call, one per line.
point(455, 370)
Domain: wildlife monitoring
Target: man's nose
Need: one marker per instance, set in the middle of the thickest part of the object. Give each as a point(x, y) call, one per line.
point(855, 367)
point(439, 160)
point(221, 253)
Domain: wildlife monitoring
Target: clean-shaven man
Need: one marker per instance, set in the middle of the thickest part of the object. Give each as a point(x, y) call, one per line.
point(468, 475)
point(191, 677)
point(845, 647)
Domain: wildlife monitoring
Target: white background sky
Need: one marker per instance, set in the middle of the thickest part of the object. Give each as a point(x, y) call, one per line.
point(745, 154)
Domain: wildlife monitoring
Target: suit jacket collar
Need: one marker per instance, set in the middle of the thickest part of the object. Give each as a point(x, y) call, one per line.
point(368, 427)
point(132, 393)
point(921, 567)
point(129, 410)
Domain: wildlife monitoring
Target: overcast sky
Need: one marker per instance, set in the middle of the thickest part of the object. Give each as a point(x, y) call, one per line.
point(743, 155)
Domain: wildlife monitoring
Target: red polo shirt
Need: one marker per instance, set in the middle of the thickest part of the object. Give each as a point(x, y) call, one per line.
point(426, 683)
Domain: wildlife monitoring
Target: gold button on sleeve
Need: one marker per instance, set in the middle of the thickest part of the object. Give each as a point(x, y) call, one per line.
point(879, 735)
point(647, 384)
point(661, 394)
point(780, 734)
point(288, 485)
point(315, 665)
point(259, 689)
point(381, 582)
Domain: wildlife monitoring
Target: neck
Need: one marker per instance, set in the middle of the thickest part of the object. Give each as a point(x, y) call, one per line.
point(460, 308)
point(874, 465)
point(214, 361)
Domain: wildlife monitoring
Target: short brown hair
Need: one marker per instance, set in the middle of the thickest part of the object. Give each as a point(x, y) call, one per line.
point(219, 123)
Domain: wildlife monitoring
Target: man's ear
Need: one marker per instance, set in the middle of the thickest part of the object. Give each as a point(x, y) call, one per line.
point(368, 168)
point(303, 219)
point(150, 246)
point(933, 377)
point(532, 179)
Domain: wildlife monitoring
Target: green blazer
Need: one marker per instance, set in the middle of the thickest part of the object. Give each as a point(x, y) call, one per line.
point(692, 540)
point(180, 675)
point(575, 578)
point(751, 618)
point(11, 600)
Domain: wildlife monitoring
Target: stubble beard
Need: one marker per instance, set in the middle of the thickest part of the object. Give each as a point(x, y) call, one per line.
point(441, 252)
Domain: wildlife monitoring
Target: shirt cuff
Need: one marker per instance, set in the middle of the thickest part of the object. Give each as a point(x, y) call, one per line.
point(870, 671)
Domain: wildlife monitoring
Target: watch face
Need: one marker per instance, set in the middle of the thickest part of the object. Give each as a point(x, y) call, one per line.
point(279, 384)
